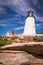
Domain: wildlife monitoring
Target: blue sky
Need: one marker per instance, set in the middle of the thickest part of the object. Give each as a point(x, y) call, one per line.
point(13, 14)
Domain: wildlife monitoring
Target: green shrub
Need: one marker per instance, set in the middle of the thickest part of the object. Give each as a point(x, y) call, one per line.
point(38, 39)
point(4, 42)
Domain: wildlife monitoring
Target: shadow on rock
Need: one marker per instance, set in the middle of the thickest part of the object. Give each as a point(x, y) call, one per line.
point(37, 55)
point(1, 63)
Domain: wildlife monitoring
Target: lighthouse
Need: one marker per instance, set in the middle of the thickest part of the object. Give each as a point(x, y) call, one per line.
point(29, 28)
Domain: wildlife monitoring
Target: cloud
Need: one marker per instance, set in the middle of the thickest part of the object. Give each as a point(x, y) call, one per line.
point(21, 7)
point(4, 25)
point(39, 26)
point(39, 18)
point(19, 28)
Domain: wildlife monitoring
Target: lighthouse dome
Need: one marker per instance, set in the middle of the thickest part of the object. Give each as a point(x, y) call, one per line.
point(30, 14)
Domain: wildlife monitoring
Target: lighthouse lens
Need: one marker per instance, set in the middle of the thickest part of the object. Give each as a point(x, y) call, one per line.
point(30, 14)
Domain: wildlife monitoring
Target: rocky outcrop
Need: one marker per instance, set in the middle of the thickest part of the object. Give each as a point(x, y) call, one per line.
point(37, 49)
point(10, 57)
point(31, 47)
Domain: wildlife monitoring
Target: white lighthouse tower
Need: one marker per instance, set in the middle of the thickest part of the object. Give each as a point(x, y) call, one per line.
point(29, 28)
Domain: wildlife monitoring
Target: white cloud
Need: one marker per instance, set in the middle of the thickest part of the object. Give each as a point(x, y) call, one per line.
point(4, 25)
point(39, 18)
point(38, 25)
point(19, 28)
point(21, 7)
point(17, 15)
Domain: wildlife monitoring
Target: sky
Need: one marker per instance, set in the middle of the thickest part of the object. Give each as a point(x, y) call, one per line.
point(13, 15)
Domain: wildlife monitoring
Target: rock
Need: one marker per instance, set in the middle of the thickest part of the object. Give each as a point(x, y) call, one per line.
point(35, 48)
point(9, 57)
point(32, 47)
